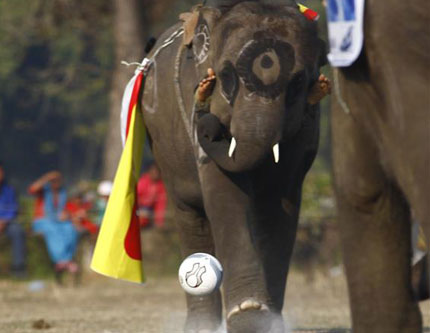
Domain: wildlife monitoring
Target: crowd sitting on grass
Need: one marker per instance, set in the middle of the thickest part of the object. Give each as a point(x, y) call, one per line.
point(62, 219)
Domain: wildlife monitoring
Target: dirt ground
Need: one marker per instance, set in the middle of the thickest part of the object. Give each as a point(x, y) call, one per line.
point(102, 305)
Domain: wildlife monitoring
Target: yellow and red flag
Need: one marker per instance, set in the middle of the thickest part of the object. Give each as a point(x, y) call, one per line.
point(309, 13)
point(118, 253)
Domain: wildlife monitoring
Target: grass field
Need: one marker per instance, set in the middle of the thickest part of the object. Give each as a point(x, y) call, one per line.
point(102, 305)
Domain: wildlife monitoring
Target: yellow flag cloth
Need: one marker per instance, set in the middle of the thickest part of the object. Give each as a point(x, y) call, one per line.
point(118, 253)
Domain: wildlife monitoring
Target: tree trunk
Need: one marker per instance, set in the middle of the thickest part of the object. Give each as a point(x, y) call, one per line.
point(129, 45)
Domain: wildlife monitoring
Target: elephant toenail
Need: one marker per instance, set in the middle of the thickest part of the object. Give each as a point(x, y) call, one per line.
point(233, 312)
point(250, 304)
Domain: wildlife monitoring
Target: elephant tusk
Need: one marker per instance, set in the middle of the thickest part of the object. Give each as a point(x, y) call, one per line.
point(276, 152)
point(232, 147)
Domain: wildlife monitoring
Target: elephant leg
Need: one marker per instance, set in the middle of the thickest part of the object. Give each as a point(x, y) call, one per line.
point(252, 302)
point(374, 222)
point(417, 189)
point(421, 270)
point(377, 262)
point(204, 312)
point(420, 278)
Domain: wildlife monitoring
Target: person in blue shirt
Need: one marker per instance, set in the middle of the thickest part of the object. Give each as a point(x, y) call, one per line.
point(54, 222)
point(9, 226)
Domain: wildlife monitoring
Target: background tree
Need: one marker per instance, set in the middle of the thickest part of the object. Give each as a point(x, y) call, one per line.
point(55, 68)
point(129, 45)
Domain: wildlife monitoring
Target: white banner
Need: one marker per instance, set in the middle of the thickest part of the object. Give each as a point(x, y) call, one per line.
point(125, 106)
point(345, 29)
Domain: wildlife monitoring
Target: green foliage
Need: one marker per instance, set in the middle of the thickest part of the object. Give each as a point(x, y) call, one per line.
point(317, 196)
point(56, 57)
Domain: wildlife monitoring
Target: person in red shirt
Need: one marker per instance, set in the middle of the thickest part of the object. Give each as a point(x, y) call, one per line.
point(151, 198)
point(78, 209)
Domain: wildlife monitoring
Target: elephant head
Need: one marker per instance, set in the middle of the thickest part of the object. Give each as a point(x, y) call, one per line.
point(266, 54)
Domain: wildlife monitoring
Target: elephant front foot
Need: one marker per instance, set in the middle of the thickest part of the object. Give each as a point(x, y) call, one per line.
point(252, 316)
point(204, 314)
point(202, 323)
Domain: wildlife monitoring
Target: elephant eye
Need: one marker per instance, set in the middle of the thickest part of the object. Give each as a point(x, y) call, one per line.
point(295, 87)
point(229, 82)
point(267, 67)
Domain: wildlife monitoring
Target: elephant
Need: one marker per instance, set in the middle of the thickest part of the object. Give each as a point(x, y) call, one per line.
point(381, 161)
point(232, 198)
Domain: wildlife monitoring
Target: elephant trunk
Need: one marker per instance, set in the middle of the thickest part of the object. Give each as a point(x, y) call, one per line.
point(253, 137)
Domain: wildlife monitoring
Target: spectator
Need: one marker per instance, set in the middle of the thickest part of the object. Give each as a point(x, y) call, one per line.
point(151, 198)
point(53, 221)
point(78, 209)
point(103, 190)
point(9, 226)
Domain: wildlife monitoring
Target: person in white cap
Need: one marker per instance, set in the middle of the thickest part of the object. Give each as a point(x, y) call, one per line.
point(103, 190)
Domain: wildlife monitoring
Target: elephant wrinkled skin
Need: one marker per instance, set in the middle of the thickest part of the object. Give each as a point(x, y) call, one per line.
point(381, 152)
point(243, 209)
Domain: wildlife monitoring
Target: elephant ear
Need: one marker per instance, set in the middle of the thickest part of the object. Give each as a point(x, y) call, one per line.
point(197, 26)
point(201, 38)
point(190, 23)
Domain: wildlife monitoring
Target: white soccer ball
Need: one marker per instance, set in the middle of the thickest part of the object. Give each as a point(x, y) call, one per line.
point(200, 274)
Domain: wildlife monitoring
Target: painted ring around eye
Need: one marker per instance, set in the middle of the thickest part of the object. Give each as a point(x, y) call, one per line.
point(261, 55)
